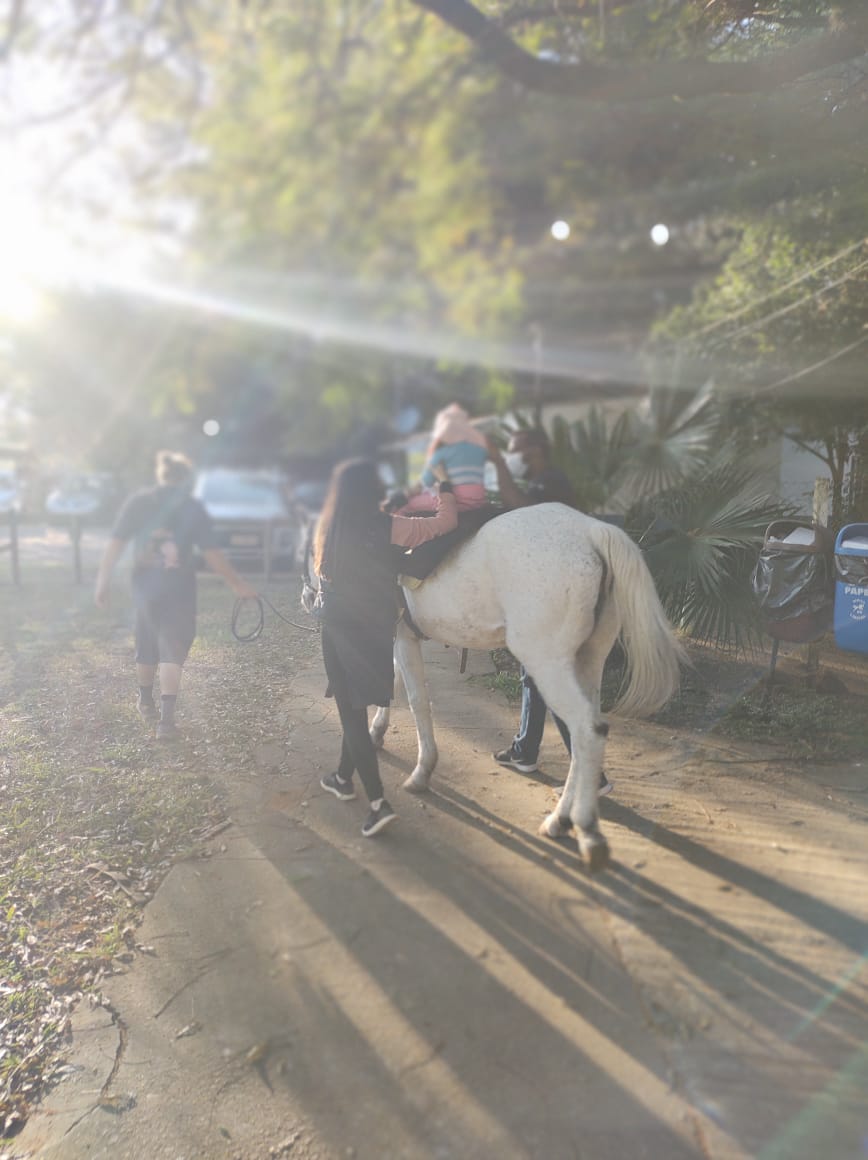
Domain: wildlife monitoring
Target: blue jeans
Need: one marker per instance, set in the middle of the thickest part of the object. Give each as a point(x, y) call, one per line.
point(526, 743)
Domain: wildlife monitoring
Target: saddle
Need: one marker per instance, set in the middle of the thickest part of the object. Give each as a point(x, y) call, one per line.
point(419, 563)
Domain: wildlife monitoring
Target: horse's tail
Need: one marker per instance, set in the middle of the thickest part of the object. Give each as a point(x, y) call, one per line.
point(654, 654)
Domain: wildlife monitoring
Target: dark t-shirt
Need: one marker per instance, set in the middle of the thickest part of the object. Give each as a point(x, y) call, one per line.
point(164, 524)
point(551, 486)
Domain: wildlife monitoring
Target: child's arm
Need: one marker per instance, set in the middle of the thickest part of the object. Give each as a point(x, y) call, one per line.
point(411, 531)
point(430, 475)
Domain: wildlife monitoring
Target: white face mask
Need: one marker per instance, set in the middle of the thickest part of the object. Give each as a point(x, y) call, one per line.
point(516, 463)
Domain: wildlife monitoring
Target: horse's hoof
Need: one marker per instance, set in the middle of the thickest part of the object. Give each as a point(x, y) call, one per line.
point(377, 733)
point(594, 849)
point(555, 827)
point(417, 782)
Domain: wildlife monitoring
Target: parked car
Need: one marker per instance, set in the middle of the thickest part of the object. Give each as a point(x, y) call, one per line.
point(253, 516)
point(89, 496)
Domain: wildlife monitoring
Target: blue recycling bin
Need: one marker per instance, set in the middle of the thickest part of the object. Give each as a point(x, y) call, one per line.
point(851, 588)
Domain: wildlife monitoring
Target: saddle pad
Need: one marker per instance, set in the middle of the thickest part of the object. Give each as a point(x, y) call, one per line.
point(422, 561)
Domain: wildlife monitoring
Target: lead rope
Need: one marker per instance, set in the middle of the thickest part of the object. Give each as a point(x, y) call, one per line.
point(256, 631)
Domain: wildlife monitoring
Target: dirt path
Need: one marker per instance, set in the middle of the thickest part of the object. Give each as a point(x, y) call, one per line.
point(459, 988)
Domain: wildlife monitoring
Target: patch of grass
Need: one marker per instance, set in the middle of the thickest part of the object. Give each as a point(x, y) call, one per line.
point(93, 817)
point(93, 814)
point(690, 703)
point(805, 723)
point(507, 683)
point(504, 661)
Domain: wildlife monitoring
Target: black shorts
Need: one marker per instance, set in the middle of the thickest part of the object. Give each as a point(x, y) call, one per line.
point(165, 623)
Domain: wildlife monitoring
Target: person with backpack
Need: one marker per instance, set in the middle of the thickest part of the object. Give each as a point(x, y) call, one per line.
point(165, 524)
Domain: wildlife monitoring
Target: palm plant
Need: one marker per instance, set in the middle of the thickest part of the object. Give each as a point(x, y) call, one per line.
point(593, 456)
point(643, 452)
point(672, 438)
point(701, 540)
point(699, 515)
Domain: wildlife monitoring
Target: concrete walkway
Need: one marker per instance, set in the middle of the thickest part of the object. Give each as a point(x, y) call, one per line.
point(459, 989)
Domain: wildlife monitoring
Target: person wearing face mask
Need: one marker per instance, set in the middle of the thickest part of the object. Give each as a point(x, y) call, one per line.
point(528, 458)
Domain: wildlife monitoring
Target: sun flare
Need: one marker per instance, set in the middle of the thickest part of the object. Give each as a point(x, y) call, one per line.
point(33, 258)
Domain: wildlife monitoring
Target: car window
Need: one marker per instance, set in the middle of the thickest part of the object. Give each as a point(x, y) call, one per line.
point(239, 489)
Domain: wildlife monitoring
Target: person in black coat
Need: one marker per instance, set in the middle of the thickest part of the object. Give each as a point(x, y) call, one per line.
point(357, 553)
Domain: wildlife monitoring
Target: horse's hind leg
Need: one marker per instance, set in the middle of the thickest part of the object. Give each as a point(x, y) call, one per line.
point(558, 683)
point(408, 657)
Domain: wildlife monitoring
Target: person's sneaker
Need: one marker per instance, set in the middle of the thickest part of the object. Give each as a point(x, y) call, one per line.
point(378, 819)
point(167, 731)
point(508, 758)
point(606, 786)
point(147, 710)
point(341, 789)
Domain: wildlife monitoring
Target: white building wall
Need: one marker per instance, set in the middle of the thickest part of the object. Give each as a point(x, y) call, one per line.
point(798, 472)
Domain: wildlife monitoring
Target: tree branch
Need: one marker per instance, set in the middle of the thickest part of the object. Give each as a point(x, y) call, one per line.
point(827, 458)
point(645, 80)
point(13, 26)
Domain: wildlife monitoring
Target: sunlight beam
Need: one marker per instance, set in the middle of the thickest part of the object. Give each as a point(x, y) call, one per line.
point(558, 361)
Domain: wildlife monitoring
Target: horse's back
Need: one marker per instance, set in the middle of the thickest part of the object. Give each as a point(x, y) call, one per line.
point(524, 571)
point(538, 547)
point(540, 528)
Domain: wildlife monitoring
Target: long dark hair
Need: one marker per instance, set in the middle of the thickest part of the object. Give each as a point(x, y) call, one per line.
point(350, 512)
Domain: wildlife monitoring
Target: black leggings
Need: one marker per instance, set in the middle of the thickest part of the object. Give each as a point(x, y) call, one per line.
point(357, 749)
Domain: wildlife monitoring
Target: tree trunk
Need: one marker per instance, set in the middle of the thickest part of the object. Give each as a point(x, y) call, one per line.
point(647, 80)
point(839, 453)
point(856, 491)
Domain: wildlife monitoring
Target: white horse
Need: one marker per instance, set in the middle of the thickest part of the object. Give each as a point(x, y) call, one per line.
point(556, 588)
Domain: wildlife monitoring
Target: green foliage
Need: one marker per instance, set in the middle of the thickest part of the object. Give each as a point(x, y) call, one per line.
point(644, 450)
point(507, 683)
point(810, 724)
point(787, 296)
point(593, 457)
point(701, 541)
point(380, 182)
point(670, 440)
point(339, 153)
point(699, 515)
point(790, 298)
